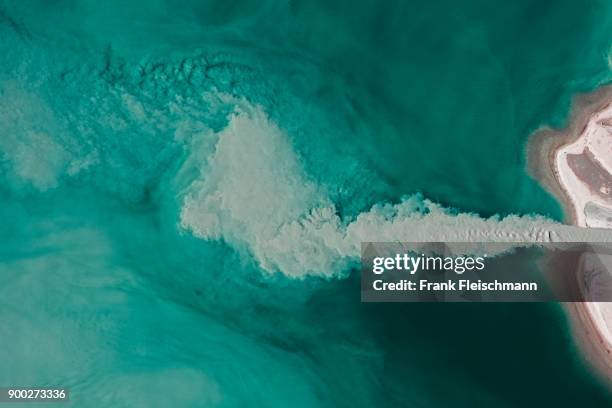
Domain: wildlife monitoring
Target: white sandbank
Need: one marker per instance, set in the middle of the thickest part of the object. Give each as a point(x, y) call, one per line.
point(576, 165)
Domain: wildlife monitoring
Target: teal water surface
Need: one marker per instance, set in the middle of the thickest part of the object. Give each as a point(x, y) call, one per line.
point(112, 114)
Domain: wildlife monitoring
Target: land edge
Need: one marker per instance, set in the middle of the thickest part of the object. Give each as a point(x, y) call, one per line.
point(540, 152)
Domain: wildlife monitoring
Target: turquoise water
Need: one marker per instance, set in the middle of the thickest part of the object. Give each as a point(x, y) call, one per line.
point(151, 150)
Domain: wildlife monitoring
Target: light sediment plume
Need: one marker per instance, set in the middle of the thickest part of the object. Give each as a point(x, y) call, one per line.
point(254, 194)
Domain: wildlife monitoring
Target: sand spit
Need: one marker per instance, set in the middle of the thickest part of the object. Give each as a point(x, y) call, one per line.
point(575, 164)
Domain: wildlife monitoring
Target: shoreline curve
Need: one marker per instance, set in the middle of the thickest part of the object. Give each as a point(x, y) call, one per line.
point(590, 322)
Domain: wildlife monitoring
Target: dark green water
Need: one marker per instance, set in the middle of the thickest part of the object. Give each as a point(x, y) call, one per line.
point(114, 116)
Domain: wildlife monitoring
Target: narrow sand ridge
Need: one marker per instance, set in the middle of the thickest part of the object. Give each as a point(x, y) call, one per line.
point(576, 165)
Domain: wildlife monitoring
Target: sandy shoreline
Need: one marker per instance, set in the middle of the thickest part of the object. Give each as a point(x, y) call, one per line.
point(544, 143)
point(590, 322)
point(595, 349)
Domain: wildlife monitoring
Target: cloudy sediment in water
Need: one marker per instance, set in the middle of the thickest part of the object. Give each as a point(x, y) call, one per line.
point(184, 189)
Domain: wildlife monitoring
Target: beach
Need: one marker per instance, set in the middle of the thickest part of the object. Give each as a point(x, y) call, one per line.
point(575, 165)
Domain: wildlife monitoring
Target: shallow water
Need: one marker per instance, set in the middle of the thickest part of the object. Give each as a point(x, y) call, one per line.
point(152, 151)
